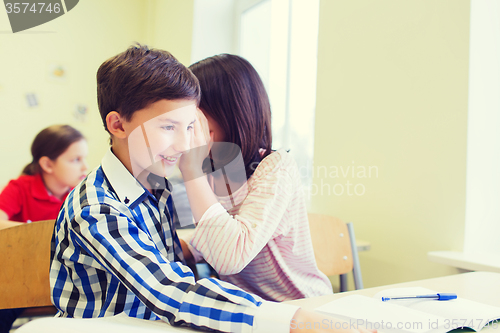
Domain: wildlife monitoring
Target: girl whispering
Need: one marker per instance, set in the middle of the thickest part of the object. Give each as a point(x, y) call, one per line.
point(252, 226)
point(58, 165)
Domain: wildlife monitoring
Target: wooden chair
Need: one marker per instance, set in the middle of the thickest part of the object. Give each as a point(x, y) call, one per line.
point(335, 248)
point(24, 268)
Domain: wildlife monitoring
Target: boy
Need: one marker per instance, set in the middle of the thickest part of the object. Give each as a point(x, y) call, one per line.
point(115, 248)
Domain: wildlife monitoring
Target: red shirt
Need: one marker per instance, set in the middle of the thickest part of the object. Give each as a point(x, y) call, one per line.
point(26, 198)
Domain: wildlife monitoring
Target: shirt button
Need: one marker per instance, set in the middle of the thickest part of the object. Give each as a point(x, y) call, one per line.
point(254, 225)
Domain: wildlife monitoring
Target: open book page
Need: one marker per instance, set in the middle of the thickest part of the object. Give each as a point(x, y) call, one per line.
point(361, 311)
point(460, 312)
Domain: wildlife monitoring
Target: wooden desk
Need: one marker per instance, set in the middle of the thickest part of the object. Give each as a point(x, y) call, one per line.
point(478, 286)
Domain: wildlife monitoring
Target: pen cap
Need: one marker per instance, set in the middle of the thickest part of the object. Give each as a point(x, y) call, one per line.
point(446, 296)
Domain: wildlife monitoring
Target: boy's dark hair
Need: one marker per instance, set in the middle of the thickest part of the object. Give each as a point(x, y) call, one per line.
point(51, 142)
point(139, 76)
point(233, 94)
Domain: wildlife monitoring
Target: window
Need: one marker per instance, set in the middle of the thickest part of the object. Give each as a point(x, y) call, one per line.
point(482, 212)
point(279, 38)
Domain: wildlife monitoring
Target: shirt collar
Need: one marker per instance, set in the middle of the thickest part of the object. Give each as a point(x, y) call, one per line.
point(39, 190)
point(126, 187)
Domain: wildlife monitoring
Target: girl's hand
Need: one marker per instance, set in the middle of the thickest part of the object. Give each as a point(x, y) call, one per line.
point(191, 161)
point(202, 131)
point(313, 322)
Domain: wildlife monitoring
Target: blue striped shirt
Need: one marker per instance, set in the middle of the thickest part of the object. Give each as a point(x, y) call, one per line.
point(115, 250)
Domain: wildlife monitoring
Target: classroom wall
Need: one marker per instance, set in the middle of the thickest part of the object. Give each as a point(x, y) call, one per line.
point(392, 99)
point(170, 27)
point(80, 41)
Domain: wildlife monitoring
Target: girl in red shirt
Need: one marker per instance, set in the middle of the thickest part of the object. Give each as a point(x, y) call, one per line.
point(58, 165)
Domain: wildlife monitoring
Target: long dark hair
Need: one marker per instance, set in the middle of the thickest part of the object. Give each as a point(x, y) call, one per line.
point(233, 94)
point(51, 142)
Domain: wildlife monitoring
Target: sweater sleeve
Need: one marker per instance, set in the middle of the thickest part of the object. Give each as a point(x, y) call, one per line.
point(228, 243)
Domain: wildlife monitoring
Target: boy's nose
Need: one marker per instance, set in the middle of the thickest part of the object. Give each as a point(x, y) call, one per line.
point(182, 142)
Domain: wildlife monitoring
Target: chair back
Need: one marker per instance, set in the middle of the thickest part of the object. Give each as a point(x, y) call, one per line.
point(331, 244)
point(25, 264)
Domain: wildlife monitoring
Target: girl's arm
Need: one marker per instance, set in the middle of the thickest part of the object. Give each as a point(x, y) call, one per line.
point(10, 204)
point(229, 243)
point(198, 190)
point(200, 195)
point(4, 221)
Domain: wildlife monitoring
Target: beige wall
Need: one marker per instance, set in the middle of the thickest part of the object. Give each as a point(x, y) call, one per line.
point(80, 40)
point(392, 94)
point(171, 27)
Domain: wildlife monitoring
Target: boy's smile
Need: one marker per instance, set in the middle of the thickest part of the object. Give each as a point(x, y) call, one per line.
point(156, 136)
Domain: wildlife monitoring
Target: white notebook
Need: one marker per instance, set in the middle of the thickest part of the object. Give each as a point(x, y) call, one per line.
point(413, 316)
point(120, 323)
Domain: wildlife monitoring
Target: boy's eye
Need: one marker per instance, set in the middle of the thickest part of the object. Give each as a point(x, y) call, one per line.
point(168, 128)
point(190, 127)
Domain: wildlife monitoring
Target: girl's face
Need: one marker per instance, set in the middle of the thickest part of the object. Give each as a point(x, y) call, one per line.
point(70, 167)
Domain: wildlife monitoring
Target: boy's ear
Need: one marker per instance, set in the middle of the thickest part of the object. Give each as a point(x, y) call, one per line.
point(46, 164)
point(114, 123)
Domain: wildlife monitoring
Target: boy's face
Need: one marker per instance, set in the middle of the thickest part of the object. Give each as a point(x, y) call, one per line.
point(158, 135)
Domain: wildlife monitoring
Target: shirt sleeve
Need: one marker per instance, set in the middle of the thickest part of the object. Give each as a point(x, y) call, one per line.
point(228, 243)
point(166, 288)
point(11, 199)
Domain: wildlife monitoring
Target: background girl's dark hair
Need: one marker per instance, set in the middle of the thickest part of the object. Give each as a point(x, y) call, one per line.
point(233, 94)
point(51, 142)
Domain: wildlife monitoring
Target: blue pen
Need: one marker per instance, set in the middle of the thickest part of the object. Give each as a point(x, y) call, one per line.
point(438, 296)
